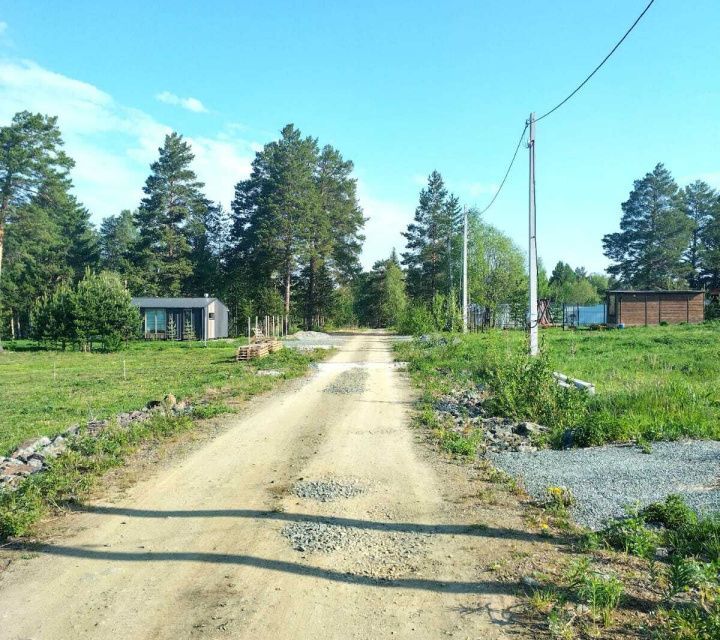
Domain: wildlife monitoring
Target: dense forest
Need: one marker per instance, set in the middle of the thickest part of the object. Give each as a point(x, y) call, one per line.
point(292, 238)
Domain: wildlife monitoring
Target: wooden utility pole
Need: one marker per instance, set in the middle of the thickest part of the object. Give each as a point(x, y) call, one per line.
point(465, 269)
point(532, 249)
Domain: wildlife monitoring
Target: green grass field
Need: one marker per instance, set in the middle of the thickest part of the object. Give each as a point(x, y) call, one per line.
point(652, 382)
point(43, 392)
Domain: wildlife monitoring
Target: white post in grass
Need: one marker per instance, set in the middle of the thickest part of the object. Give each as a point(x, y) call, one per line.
point(532, 249)
point(465, 270)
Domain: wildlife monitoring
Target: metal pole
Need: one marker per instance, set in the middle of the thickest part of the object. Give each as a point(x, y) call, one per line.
point(532, 249)
point(465, 270)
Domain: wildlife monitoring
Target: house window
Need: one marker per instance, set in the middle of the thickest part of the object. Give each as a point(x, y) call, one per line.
point(211, 315)
point(154, 320)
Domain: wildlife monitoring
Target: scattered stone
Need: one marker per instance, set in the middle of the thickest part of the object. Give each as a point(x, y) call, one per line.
point(327, 490)
point(351, 381)
point(463, 411)
point(527, 429)
point(268, 372)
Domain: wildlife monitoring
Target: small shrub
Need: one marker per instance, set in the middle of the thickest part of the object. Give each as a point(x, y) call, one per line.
point(631, 536)
point(673, 513)
point(600, 592)
point(523, 388)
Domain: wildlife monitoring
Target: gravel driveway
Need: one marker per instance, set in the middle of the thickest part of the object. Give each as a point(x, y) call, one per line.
point(604, 480)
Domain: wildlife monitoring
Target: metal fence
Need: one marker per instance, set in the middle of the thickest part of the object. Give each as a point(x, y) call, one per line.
point(506, 316)
point(575, 315)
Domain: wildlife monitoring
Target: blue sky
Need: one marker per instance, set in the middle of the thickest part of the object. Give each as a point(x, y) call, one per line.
point(401, 88)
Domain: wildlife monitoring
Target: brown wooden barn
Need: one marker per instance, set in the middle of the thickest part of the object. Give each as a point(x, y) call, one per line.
point(635, 308)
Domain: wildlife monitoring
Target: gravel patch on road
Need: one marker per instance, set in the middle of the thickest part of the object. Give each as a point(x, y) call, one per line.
point(381, 554)
point(328, 490)
point(351, 381)
point(605, 480)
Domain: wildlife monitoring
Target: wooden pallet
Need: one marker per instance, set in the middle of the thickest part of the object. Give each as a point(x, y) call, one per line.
point(275, 345)
point(252, 351)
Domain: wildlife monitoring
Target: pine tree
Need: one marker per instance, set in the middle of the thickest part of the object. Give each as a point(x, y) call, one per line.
point(296, 225)
point(272, 211)
point(118, 240)
point(432, 242)
point(30, 155)
point(171, 332)
point(710, 248)
point(188, 330)
point(654, 234)
point(206, 234)
point(173, 197)
point(699, 202)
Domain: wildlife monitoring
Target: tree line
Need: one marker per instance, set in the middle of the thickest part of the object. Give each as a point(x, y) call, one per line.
point(669, 236)
point(290, 242)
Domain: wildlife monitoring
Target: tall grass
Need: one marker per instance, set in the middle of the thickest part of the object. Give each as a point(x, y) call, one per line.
point(653, 383)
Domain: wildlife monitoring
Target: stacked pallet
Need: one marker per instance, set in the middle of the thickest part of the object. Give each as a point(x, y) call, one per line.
point(275, 345)
point(252, 351)
point(258, 349)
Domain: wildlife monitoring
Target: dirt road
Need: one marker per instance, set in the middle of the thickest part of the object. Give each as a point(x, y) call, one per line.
point(219, 544)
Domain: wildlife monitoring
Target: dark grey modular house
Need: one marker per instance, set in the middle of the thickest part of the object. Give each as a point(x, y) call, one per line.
point(183, 318)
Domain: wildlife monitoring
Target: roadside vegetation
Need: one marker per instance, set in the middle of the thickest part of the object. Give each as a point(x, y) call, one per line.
point(57, 388)
point(653, 383)
point(42, 392)
point(653, 574)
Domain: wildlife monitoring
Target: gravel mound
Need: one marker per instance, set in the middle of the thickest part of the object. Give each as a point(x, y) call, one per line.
point(351, 381)
point(327, 490)
point(309, 335)
point(605, 480)
point(313, 340)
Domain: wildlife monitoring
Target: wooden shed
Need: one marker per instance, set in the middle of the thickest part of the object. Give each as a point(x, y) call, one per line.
point(638, 308)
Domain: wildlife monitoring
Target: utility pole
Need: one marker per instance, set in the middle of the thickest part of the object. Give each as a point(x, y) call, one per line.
point(532, 249)
point(465, 267)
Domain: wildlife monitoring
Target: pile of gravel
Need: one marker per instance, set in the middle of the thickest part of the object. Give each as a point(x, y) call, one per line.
point(351, 381)
point(327, 490)
point(376, 553)
point(319, 536)
point(606, 480)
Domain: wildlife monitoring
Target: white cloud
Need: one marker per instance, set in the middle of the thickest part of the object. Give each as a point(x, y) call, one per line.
point(221, 163)
point(113, 145)
point(386, 222)
point(191, 104)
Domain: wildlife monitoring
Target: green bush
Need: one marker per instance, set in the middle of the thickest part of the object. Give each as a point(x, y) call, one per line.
point(631, 536)
point(99, 309)
point(673, 513)
point(523, 388)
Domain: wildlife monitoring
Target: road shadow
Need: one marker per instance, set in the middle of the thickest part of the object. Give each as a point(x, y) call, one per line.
point(479, 530)
point(283, 566)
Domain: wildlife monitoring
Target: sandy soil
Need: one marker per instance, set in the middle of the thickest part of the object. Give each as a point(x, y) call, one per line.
point(197, 550)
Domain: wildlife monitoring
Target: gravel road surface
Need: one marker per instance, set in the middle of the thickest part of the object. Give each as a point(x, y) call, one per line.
point(605, 480)
point(237, 539)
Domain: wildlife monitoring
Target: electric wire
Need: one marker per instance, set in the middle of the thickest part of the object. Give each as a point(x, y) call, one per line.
point(596, 69)
point(507, 173)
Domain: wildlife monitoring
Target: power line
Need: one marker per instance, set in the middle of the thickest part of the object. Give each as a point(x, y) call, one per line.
point(596, 69)
point(507, 173)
